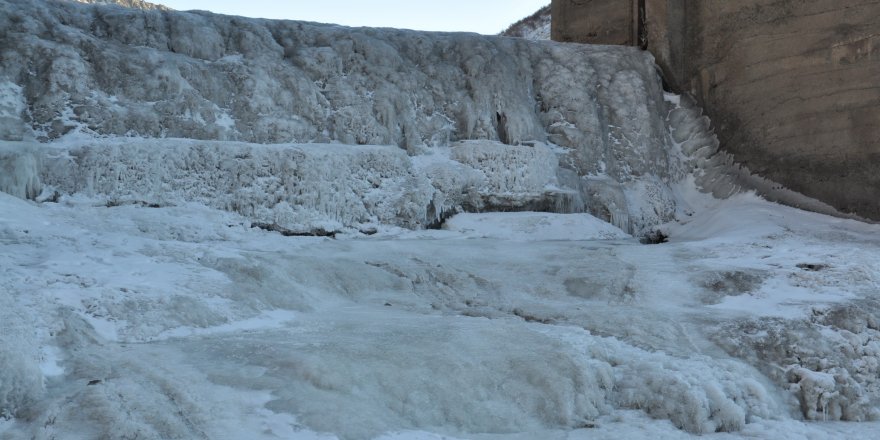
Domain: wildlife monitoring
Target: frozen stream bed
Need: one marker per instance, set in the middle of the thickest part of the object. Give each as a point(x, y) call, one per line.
point(753, 321)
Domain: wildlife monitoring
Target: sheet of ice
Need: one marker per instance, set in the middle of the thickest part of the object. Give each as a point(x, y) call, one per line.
point(225, 331)
point(533, 226)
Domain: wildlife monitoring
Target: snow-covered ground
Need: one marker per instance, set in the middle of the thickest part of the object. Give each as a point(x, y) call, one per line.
point(183, 321)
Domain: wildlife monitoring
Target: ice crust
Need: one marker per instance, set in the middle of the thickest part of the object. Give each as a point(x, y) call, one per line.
point(299, 187)
point(181, 317)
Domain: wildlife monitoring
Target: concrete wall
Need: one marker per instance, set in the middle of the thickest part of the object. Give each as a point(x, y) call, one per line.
point(593, 21)
point(792, 86)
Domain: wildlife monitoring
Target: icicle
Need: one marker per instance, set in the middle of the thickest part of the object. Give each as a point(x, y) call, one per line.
point(20, 173)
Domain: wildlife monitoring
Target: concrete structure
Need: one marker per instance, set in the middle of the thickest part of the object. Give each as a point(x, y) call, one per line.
point(792, 86)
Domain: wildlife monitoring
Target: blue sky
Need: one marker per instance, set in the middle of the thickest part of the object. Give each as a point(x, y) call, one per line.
point(481, 16)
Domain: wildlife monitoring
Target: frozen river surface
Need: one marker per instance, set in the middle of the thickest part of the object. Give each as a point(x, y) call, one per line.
point(185, 322)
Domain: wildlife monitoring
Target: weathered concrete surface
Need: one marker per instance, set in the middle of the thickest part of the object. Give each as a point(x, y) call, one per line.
point(608, 21)
point(792, 86)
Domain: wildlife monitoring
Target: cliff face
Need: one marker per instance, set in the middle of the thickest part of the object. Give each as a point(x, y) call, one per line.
point(791, 86)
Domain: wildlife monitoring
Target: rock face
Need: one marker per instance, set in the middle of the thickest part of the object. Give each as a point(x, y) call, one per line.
point(791, 86)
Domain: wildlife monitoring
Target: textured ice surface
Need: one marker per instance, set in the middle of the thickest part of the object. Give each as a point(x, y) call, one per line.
point(533, 226)
point(298, 187)
point(12, 109)
point(103, 70)
point(545, 339)
point(19, 170)
point(183, 322)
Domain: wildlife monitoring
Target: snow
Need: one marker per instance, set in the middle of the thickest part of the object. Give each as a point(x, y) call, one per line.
point(532, 226)
point(502, 325)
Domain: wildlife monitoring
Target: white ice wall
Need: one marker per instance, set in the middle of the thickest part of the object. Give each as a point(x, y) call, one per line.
point(104, 70)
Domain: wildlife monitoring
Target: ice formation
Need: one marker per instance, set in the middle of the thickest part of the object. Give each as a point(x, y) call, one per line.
point(112, 71)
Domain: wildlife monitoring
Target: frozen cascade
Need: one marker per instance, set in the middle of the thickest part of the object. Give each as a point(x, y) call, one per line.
point(146, 73)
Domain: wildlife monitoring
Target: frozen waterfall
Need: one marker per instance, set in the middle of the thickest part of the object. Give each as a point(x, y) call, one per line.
point(572, 128)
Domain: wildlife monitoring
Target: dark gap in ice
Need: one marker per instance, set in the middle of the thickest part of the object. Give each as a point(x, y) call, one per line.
point(654, 237)
point(273, 227)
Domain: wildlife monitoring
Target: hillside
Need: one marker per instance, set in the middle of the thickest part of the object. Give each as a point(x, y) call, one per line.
point(533, 27)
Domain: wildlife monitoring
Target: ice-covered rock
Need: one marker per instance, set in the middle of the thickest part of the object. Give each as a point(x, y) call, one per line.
point(105, 70)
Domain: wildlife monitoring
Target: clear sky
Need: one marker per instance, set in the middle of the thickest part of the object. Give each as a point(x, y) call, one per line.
point(481, 16)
